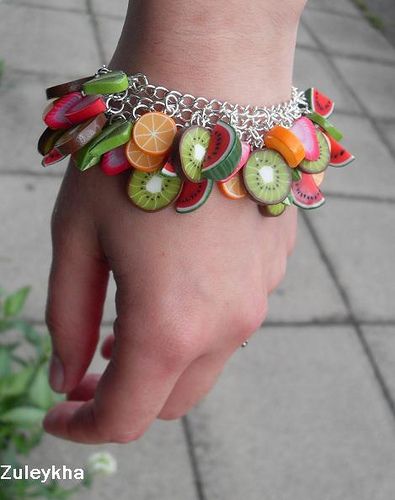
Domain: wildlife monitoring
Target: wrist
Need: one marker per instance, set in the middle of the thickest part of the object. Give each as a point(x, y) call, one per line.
point(249, 60)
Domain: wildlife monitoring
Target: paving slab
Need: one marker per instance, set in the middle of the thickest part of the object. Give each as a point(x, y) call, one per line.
point(349, 36)
point(52, 4)
point(25, 250)
point(368, 175)
point(381, 340)
point(311, 69)
point(340, 6)
point(359, 240)
point(304, 38)
point(296, 299)
point(374, 83)
point(296, 416)
point(113, 8)
point(22, 101)
point(109, 32)
point(50, 49)
point(156, 466)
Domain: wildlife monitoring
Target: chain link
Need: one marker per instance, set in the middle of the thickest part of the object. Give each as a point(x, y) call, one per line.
point(250, 122)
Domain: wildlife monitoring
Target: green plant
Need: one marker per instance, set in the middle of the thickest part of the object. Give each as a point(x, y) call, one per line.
point(25, 396)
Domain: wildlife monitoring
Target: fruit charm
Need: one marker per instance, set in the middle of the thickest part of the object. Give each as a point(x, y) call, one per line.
point(267, 177)
point(277, 160)
point(223, 153)
point(154, 132)
point(152, 191)
point(287, 144)
point(322, 162)
point(193, 147)
point(107, 83)
point(193, 195)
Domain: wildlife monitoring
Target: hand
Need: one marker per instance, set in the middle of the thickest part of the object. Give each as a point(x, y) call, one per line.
point(190, 289)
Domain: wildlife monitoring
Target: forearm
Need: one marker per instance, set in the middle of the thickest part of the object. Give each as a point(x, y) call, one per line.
point(233, 50)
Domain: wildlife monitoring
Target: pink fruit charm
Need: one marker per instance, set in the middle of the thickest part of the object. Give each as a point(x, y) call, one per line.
point(86, 108)
point(168, 169)
point(55, 118)
point(245, 153)
point(340, 157)
point(52, 157)
point(114, 162)
point(306, 194)
point(305, 131)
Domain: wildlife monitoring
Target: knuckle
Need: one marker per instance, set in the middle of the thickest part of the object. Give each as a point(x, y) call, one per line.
point(172, 414)
point(126, 437)
point(251, 319)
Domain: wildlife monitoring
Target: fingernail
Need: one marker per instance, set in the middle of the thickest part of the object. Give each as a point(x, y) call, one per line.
point(56, 373)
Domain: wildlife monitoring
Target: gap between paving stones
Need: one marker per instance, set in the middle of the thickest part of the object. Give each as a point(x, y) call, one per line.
point(328, 263)
point(95, 27)
point(351, 90)
point(352, 318)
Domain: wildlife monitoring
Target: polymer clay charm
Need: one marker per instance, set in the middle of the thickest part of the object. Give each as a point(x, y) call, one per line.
point(53, 156)
point(322, 162)
point(306, 194)
point(152, 191)
point(286, 143)
point(154, 133)
point(107, 83)
point(326, 125)
point(223, 153)
point(86, 108)
point(114, 162)
point(78, 136)
point(233, 188)
point(267, 177)
point(114, 135)
point(140, 160)
point(47, 140)
point(245, 153)
point(305, 131)
point(340, 157)
point(273, 210)
point(67, 88)
point(56, 116)
point(319, 102)
point(193, 147)
point(193, 195)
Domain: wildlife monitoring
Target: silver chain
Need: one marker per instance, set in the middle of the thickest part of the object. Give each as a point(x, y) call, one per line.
point(250, 122)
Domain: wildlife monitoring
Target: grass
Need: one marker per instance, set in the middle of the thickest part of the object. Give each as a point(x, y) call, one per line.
point(373, 19)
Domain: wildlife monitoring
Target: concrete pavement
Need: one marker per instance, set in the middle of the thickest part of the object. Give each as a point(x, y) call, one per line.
point(307, 410)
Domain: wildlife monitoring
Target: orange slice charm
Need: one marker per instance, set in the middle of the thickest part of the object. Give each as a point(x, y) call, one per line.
point(142, 161)
point(286, 143)
point(154, 132)
point(233, 188)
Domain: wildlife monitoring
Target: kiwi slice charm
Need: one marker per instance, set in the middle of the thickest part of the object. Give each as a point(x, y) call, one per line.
point(322, 162)
point(152, 191)
point(267, 177)
point(193, 146)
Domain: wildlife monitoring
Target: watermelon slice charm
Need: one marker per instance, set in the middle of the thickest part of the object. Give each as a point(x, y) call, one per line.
point(223, 153)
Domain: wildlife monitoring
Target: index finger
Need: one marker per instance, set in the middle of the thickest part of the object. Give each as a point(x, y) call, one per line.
point(129, 396)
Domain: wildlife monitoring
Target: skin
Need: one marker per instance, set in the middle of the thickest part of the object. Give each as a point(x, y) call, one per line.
point(190, 288)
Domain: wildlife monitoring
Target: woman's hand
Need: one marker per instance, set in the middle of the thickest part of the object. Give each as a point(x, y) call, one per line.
point(190, 288)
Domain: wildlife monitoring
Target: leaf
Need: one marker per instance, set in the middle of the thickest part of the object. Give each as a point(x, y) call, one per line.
point(14, 303)
point(23, 415)
point(5, 361)
point(15, 384)
point(40, 393)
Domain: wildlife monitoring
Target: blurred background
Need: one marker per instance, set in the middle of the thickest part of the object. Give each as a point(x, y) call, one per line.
point(307, 411)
